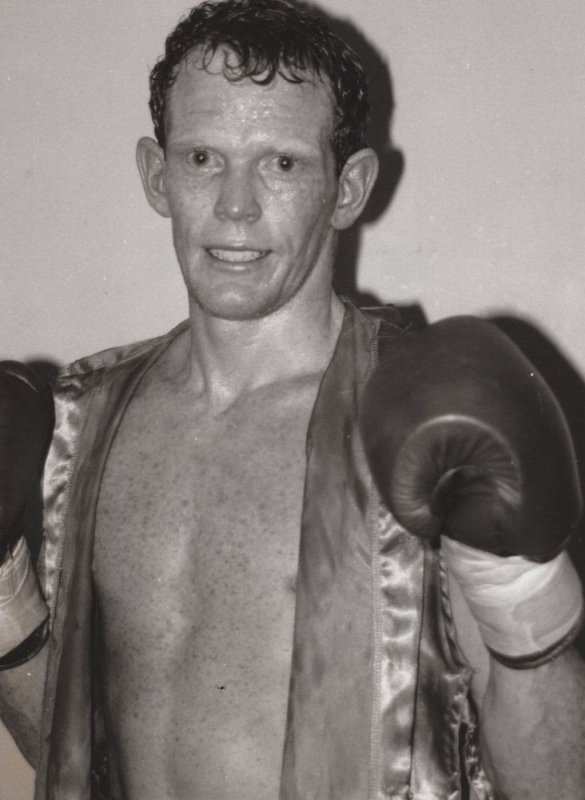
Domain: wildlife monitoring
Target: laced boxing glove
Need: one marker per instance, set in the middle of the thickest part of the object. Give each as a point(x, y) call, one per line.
point(26, 423)
point(466, 440)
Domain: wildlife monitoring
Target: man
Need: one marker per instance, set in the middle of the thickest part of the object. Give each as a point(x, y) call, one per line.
point(223, 583)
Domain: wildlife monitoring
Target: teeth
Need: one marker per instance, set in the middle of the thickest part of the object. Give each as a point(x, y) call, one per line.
point(237, 256)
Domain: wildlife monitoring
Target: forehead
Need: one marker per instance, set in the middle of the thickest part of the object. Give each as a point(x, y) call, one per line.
point(202, 94)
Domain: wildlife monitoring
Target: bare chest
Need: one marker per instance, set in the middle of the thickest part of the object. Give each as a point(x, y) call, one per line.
point(186, 511)
point(195, 563)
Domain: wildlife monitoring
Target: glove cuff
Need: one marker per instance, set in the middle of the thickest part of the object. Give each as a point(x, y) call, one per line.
point(527, 612)
point(22, 608)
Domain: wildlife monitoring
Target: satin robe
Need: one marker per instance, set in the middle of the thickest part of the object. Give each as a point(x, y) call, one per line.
point(379, 702)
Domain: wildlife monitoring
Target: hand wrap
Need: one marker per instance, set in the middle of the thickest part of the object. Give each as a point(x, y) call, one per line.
point(527, 612)
point(22, 609)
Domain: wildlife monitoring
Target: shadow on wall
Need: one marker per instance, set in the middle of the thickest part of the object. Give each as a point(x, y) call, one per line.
point(391, 160)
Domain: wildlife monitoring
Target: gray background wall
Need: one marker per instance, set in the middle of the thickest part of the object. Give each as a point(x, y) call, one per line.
point(487, 218)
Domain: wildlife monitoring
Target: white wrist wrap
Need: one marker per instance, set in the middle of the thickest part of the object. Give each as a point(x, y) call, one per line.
point(526, 611)
point(22, 608)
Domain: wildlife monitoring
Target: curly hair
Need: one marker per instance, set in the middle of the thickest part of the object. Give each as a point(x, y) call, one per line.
point(269, 38)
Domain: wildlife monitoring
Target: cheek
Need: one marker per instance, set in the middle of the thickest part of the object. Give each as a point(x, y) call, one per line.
point(187, 232)
point(184, 192)
point(304, 214)
point(188, 212)
point(316, 221)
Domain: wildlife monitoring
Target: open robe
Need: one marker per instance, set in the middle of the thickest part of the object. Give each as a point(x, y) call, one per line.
point(379, 704)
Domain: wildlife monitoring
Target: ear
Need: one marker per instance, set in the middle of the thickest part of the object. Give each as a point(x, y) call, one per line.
point(355, 186)
point(151, 165)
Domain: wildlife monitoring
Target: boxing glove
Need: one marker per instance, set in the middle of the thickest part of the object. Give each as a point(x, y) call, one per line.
point(26, 424)
point(465, 439)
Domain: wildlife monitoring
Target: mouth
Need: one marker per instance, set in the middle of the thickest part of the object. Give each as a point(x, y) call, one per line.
point(230, 255)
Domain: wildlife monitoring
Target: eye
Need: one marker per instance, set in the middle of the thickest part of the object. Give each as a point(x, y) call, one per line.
point(199, 158)
point(208, 162)
point(285, 163)
point(282, 169)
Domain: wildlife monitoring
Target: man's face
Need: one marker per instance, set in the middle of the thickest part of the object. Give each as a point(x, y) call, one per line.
point(250, 185)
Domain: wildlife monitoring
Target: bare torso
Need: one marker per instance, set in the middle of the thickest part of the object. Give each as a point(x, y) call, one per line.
point(195, 561)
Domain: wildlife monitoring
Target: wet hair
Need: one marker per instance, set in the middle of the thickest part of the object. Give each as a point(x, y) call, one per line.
point(269, 38)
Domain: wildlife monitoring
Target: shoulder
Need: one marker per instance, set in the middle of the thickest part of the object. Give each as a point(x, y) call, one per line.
point(371, 326)
point(90, 369)
point(383, 317)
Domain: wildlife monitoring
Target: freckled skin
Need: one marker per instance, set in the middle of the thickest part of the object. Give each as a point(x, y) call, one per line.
point(241, 195)
point(195, 561)
point(199, 514)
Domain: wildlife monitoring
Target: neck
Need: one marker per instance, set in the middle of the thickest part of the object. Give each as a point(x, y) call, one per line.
point(229, 358)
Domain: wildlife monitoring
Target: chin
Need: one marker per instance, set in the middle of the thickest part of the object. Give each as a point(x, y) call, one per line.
point(236, 309)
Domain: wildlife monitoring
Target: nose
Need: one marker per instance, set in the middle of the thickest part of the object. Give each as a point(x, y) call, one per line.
point(237, 200)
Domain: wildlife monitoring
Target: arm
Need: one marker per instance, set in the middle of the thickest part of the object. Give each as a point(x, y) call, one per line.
point(23, 632)
point(466, 442)
point(26, 422)
point(21, 701)
point(532, 722)
point(535, 719)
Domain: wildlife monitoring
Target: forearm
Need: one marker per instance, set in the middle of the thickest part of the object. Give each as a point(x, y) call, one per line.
point(21, 702)
point(23, 629)
point(533, 730)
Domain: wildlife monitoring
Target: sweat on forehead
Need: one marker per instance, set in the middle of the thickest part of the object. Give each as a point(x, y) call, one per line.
point(266, 38)
point(205, 89)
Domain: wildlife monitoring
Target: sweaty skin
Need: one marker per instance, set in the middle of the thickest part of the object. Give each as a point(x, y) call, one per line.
point(199, 513)
point(195, 561)
point(248, 180)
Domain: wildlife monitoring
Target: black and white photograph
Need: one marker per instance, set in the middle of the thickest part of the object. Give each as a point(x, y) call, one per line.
point(292, 400)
